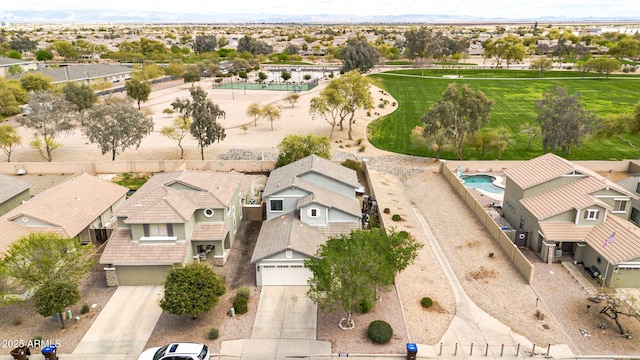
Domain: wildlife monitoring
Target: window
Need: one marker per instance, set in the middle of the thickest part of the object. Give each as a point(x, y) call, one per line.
point(590, 214)
point(276, 205)
point(157, 230)
point(313, 212)
point(619, 205)
point(288, 254)
point(638, 188)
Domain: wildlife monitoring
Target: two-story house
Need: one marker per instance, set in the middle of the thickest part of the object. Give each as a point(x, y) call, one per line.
point(307, 202)
point(175, 218)
point(555, 204)
point(81, 207)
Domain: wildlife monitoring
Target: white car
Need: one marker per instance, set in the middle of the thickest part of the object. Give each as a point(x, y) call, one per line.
point(177, 351)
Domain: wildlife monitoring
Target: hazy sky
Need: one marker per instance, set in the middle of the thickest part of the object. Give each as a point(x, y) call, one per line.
point(476, 8)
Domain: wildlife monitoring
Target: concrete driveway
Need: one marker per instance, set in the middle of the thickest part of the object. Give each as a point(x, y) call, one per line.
point(284, 312)
point(126, 322)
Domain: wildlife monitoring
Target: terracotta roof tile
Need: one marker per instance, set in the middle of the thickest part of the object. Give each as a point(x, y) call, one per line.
point(122, 250)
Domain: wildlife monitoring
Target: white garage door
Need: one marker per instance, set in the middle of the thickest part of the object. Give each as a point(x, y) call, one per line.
point(284, 274)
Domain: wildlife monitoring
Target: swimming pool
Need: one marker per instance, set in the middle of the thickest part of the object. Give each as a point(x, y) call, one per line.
point(482, 182)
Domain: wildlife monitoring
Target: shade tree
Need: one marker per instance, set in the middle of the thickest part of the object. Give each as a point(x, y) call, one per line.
point(460, 112)
point(191, 289)
point(116, 126)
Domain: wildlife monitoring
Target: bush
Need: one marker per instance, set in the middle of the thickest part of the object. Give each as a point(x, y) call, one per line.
point(243, 292)
point(380, 331)
point(426, 302)
point(17, 320)
point(241, 305)
point(386, 211)
point(359, 141)
point(84, 309)
point(213, 333)
point(352, 164)
point(381, 105)
point(364, 306)
point(396, 217)
point(362, 147)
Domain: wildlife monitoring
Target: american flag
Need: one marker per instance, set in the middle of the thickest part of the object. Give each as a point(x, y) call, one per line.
point(609, 239)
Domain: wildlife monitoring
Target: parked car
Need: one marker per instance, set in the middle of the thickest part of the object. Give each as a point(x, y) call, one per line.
point(177, 351)
point(593, 271)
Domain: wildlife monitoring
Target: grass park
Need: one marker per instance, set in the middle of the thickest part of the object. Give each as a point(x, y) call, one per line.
point(514, 93)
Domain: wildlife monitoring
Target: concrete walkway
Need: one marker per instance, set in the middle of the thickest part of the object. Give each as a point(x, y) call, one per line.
point(471, 325)
point(125, 324)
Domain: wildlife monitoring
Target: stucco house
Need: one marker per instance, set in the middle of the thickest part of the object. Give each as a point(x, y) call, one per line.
point(13, 192)
point(80, 207)
point(556, 204)
point(307, 202)
point(175, 218)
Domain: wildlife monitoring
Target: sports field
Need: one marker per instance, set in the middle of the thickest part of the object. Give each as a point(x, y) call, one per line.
point(273, 87)
point(515, 93)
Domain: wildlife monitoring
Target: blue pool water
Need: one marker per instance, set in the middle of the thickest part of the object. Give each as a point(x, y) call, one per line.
point(482, 182)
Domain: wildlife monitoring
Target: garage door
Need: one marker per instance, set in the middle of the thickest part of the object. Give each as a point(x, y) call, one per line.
point(141, 275)
point(284, 274)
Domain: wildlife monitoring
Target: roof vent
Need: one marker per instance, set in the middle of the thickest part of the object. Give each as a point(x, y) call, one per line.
point(77, 197)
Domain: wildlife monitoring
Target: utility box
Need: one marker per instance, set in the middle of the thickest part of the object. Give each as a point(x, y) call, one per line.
point(412, 351)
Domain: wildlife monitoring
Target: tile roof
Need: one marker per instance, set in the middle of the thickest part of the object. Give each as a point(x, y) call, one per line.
point(286, 232)
point(539, 170)
point(209, 231)
point(563, 231)
point(626, 243)
point(123, 251)
point(284, 177)
point(160, 201)
point(11, 186)
point(68, 207)
point(574, 195)
point(328, 198)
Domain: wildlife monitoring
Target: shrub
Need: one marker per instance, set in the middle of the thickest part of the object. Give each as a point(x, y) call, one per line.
point(243, 292)
point(17, 320)
point(364, 306)
point(213, 333)
point(36, 339)
point(491, 254)
point(241, 305)
point(381, 105)
point(380, 331)
point(352, 164)
point(426, 302)
point(84, 309)
point(396, 217)
point(362, 147)
point(386, 211)
point(359, 141)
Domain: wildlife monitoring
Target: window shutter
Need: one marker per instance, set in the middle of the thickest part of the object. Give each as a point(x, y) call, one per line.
point(145, 229)
point(597, 214)
point(169, 229)
point(586, 214)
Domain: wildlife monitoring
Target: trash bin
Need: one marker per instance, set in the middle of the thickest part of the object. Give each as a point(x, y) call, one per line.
point(20, 353)
point(412, 351)
point(49, 352)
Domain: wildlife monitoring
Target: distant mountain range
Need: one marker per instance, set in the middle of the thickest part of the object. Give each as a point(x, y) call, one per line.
point(112, 16)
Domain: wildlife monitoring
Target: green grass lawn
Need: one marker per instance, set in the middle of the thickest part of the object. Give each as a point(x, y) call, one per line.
point(515, 93)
